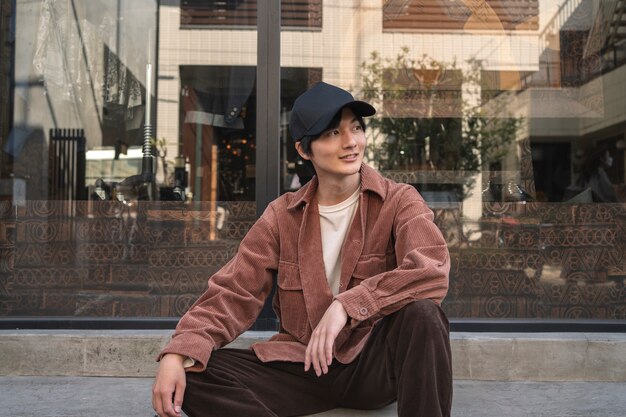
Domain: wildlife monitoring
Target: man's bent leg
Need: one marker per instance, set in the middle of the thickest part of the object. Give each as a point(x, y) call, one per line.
point(237, 383)
point(408, 355)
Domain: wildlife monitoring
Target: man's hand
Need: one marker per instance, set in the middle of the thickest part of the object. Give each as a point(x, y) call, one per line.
point(319, 351)
point(169, 386)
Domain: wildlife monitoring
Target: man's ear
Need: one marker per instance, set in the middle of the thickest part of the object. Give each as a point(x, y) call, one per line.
point(303, 154)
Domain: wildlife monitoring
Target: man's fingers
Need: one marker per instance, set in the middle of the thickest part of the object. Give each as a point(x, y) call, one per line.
point(156, 404)
point(178, 398)
point(166, 403)
point(329, 350)
point(157, 400)
point(321, 352)
point(307, 358)
point(309, 355)
point(314, 354)
point(169, 400)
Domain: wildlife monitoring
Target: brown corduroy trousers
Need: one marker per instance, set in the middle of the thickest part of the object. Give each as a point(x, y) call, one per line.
point(407, 359)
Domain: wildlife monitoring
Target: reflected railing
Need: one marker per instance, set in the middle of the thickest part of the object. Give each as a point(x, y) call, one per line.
point(599, 43)
point(554, 25)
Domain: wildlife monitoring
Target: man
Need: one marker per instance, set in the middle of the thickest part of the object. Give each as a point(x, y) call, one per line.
point(597, 178)
point(361, 272)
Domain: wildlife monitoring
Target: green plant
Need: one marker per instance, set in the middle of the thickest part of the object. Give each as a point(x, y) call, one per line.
point(413, 133)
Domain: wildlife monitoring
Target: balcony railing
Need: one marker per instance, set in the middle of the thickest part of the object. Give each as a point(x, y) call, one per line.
point(294, 13)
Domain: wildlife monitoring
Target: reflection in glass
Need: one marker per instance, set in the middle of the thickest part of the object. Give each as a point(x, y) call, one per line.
point(218, 130)
point(94, 93)
point(241, 13)
point(79, 66)
point(504, 118)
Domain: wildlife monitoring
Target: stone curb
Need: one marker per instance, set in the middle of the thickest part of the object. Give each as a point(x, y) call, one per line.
point(476, 356)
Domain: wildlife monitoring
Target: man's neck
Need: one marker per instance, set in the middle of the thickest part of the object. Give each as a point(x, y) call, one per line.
point(331, 191)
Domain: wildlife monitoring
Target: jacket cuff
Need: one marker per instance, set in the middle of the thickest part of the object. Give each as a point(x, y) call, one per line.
point(359, 303)
point(191, 346)
point(189, 362)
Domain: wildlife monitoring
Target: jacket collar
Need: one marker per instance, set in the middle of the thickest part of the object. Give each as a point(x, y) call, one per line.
point(371, 180)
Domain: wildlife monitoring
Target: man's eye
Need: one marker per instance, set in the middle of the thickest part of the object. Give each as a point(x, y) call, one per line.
point(357, 127)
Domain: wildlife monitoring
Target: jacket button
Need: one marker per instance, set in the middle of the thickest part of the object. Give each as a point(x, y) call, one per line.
point(363, 311)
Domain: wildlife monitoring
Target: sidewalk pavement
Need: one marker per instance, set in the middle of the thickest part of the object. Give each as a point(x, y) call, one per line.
point(32, 396)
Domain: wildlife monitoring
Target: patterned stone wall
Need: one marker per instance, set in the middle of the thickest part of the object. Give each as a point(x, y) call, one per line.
point(106, 259)
point(540, 260)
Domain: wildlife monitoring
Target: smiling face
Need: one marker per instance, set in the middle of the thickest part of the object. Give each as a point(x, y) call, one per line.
point(337, 153)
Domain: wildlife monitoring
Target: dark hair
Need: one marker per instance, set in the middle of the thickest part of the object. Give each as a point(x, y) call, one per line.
point(305, 142)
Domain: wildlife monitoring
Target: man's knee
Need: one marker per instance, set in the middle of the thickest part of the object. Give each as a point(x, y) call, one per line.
point(424, 313)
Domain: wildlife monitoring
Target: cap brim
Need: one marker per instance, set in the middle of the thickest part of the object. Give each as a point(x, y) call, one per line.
point(359, 108)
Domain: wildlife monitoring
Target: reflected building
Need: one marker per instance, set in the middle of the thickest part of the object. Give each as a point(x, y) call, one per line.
point(489, 108)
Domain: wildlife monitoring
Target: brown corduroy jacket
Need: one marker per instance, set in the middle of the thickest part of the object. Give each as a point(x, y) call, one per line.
point(393, 255)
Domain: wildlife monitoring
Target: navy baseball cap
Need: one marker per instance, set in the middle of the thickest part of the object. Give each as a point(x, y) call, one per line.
point(314, 109)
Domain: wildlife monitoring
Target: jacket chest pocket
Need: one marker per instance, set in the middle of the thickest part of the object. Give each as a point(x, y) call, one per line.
point(368, 266)
point(293, 315)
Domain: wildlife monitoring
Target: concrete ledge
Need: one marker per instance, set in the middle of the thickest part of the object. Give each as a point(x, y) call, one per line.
point(540, 356)
point(476, 356)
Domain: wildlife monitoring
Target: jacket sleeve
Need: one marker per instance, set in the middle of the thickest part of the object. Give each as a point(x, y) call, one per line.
point(423, 264)
point(233, 299)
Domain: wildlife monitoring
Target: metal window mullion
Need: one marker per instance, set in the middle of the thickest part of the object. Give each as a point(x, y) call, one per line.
point(268, 104)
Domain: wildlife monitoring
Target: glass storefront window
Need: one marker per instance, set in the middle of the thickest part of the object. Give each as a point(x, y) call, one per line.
point(128, 156)
point(504, 116)
point(128, 144)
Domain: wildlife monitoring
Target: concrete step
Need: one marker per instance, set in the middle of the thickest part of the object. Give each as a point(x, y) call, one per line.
point(129, 397)
point(476, 356)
